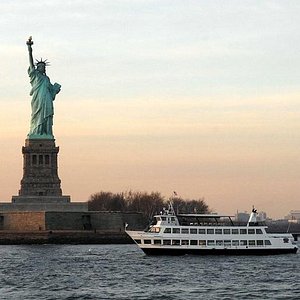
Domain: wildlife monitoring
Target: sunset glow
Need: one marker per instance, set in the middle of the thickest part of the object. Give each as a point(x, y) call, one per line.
point(201, 97)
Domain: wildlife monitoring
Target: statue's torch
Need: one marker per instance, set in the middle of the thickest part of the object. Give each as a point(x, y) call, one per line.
point(29, 42)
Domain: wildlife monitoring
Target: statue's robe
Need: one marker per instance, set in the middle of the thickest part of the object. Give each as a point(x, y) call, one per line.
point(43, 94)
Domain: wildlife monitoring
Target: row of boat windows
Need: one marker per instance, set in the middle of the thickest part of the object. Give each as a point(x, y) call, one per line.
point(226, 243)
point(208, 231)
point(168, 219)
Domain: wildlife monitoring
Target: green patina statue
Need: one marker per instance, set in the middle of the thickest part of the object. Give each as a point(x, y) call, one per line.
point(43, 94)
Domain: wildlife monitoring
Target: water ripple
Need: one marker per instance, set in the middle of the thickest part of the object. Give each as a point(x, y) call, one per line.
point(124, 272)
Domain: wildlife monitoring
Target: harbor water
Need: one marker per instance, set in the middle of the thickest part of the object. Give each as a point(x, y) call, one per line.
point(124, 272)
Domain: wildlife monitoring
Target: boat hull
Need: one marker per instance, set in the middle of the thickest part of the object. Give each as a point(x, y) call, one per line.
point(177, 251)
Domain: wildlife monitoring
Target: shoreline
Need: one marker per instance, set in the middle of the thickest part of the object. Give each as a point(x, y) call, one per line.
point(63, 237)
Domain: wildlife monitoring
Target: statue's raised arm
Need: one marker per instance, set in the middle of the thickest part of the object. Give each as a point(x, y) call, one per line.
point(29, 44)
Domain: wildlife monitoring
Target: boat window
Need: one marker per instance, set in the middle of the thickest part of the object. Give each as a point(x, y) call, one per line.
point(226, 231)
point(218, 231)
point(154, 229)
point(193, 242)
point(243, 231)
point(175, 230)
point(285, 240)
point(227, 243)
point(157, 242)
point(138, 241)
point(235, 243)
point(267, 243)
point(235, 231)
point(167, 230)
point(163, 218)
point(201, 231)
point(260, 243)
point(219, 243)
point(251, 243)
point(175, 242)
point(166, 242)
point(193, 231)
point(147, 242)
point(202, 243)
point(172, 219)
point(210, 243)
point(251, 231)
point(259, 231)
point(184, 242)
point(210, 231)
point(243, 243)
point(185, 230)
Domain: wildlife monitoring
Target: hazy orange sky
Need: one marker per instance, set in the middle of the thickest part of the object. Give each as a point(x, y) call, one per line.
point(200, 97)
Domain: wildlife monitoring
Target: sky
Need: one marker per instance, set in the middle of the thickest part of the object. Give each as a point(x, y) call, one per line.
point(194, 96)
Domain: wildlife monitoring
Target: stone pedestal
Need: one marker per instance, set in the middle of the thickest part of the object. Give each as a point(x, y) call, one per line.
point(40, 185)
point(40, 176)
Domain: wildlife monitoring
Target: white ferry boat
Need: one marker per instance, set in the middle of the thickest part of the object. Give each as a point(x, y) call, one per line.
point(171, 234)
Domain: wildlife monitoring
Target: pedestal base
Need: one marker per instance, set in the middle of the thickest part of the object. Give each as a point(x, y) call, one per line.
point(58, 207)
point(40, 199)
point(43, 203)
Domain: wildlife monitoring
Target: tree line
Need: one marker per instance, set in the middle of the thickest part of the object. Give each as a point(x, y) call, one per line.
point(146, 203)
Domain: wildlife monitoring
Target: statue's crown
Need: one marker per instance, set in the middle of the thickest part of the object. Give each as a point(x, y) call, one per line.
point(44, 62)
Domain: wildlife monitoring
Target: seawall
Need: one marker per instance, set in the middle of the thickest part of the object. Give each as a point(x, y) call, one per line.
point(88, 227)
point(63, 237)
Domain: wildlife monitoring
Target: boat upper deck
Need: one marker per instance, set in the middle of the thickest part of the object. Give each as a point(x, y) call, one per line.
point(169, 218)
point(200, 220)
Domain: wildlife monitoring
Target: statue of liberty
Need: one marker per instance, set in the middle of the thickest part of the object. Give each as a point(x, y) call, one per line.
point(43, 94)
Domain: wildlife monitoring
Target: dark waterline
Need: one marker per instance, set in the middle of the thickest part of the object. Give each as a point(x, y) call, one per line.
point(124, 272)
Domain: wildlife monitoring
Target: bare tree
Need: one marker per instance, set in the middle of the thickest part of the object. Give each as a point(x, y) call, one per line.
point(107, 201)
point(187, 206)
point(146, 203)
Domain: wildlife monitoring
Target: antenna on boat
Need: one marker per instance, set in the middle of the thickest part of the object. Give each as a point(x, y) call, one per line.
point(171, 208)
point(252, 219)
point(288, 229)
point(253, 209)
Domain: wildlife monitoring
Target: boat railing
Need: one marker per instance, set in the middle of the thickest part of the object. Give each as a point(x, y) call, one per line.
point(218, 224)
